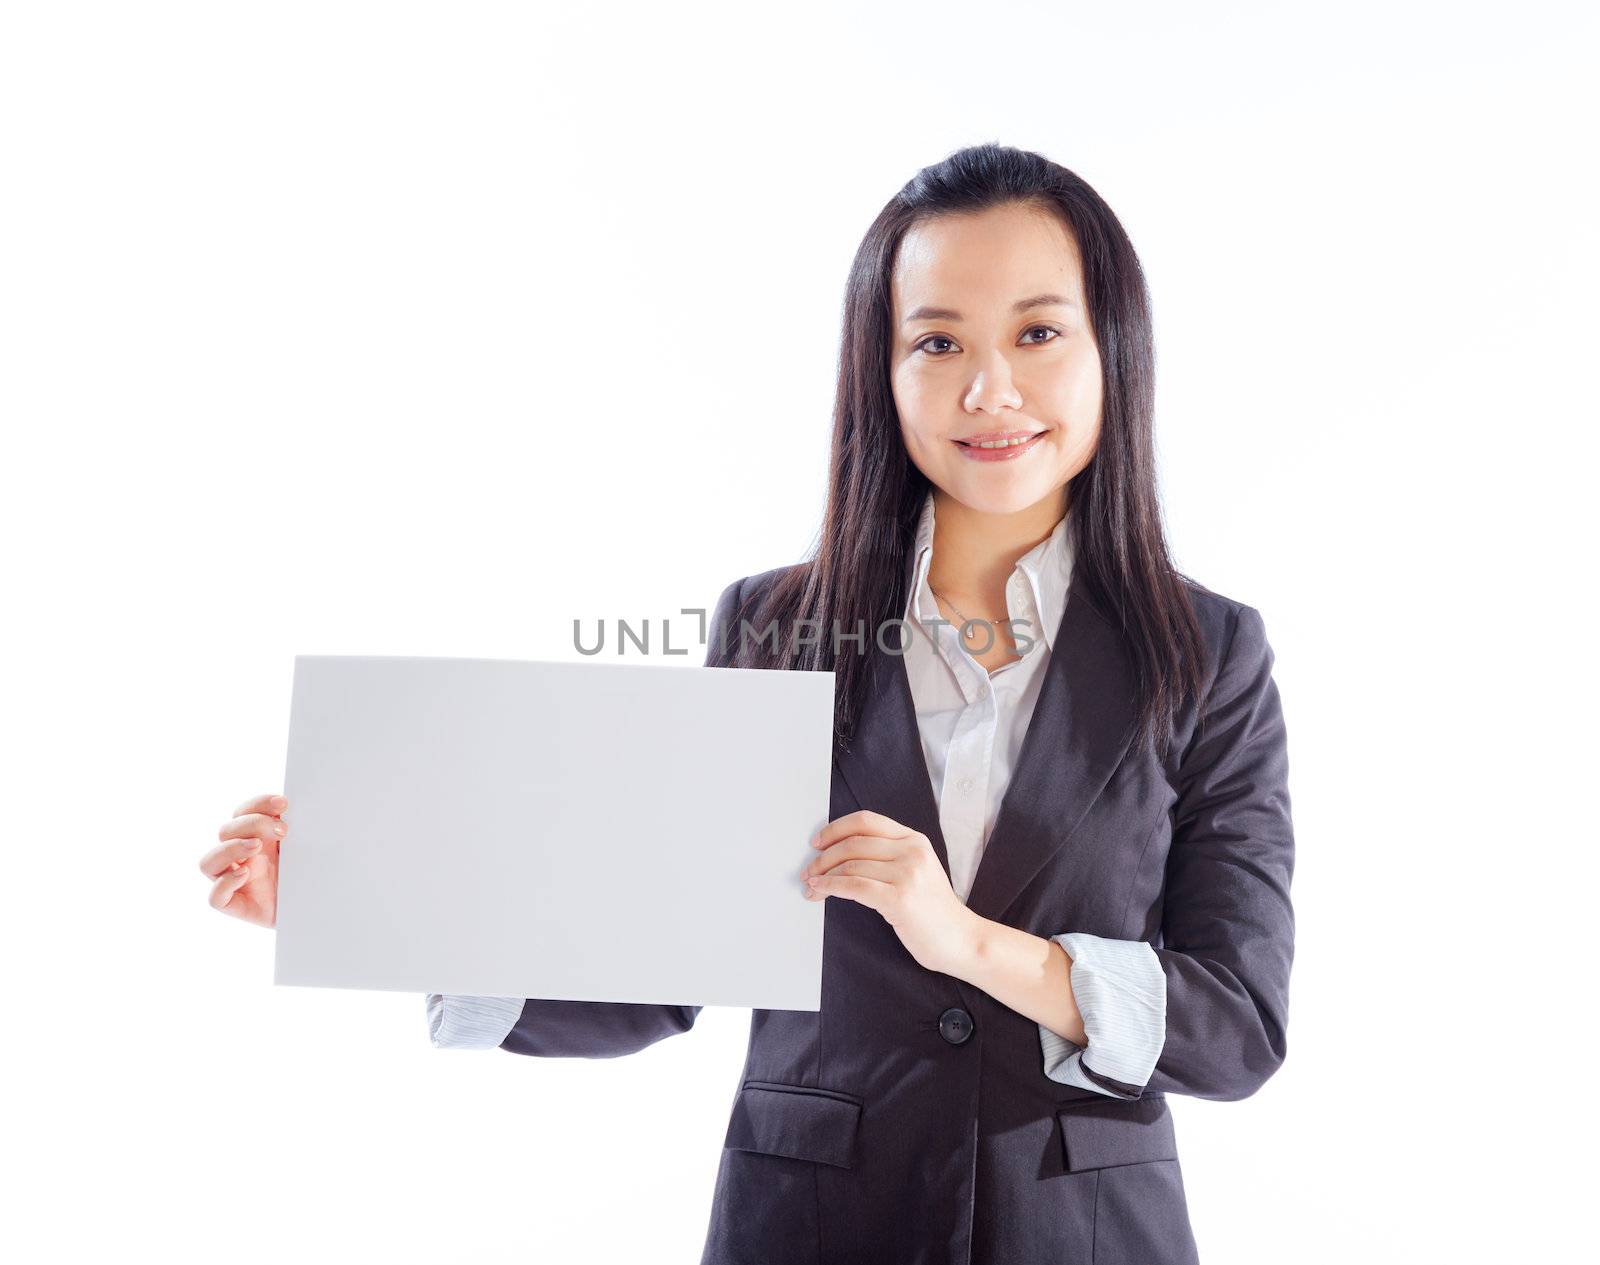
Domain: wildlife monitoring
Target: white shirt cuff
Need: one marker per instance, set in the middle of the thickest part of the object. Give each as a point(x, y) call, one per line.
point(1121, 992)
point(471, 1023)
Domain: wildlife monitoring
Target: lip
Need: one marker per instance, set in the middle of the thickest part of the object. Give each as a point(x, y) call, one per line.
point(990, 435)
point(1010, 453)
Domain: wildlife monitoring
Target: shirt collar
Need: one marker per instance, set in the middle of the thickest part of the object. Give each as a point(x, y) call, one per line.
point(1046, 568)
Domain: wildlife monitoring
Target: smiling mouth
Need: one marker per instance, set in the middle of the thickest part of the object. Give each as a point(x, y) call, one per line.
point(999, 447)
point(1000, 441)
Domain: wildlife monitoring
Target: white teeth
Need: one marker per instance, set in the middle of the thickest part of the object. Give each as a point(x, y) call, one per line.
point(1001, 443)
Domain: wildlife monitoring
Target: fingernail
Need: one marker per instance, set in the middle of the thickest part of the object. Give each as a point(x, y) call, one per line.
point(252, 845)
point(280, 829)
point(278, 801)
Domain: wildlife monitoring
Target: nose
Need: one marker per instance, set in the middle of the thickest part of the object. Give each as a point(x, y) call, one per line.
point(992, 389)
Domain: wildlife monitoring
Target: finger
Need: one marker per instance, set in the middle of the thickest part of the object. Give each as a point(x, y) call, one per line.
point(866, 891)
point(868, 847)
point(253, 826)
point(883, 871)
point(223, 889)
point(861, 822)
point(225, 857)
point(272, 805)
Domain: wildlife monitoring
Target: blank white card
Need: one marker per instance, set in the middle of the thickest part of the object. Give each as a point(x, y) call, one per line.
point(579, 831)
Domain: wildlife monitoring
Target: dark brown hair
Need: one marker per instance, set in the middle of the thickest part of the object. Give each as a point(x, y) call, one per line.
point(857, 573)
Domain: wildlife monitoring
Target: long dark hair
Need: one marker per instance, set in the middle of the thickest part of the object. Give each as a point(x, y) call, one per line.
point(857, 573)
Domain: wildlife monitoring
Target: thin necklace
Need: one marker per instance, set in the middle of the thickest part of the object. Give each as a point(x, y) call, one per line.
point(965, 622)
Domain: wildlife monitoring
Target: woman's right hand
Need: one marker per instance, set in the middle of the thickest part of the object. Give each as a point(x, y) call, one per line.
point(245, 865)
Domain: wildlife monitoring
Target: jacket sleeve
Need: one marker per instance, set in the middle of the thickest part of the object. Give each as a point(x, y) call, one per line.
point(1227, 929)
point(572, 1029)
point(1121, 993)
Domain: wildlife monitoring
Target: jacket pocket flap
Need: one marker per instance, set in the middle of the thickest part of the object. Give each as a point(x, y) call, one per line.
point(796, 1121)
point(1099, 1135)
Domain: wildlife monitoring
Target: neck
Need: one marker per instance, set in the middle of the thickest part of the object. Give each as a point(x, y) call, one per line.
point(974, 553)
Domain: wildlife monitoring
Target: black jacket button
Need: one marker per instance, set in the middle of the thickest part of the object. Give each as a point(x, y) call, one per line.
point(955, 1025)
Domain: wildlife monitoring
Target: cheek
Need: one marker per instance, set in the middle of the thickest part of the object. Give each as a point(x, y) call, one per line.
point(915, 403)
point(1077, 386)
point(1082, 440)
point(1071, 395)
point(908, 386)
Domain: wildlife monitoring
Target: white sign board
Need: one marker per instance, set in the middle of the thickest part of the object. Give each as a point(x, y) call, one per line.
point(574, 831)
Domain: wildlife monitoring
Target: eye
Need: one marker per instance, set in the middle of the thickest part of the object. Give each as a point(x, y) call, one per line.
point(925, 345)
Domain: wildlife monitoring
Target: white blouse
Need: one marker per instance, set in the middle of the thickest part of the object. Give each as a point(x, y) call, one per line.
point(972, 723)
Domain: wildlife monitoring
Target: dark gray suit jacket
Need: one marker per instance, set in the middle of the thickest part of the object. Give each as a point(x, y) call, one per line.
point(909, 1121)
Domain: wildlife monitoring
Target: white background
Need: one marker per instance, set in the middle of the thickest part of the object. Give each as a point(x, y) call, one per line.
point(424, 329)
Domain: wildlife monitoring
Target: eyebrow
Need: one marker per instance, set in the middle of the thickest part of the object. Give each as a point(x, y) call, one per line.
point(1022, 305)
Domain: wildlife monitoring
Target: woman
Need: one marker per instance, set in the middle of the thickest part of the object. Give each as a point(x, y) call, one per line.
point(1060, 844)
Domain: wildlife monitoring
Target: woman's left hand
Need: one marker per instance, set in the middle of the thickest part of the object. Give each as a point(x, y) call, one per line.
point(874, 860)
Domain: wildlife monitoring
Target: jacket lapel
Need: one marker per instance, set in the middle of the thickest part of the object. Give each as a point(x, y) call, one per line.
point(887, 771)
point(1080, 730)
point(885, 768)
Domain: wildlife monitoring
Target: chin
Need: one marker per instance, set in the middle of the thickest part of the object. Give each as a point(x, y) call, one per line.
point(999, 495)
point(1001, 487)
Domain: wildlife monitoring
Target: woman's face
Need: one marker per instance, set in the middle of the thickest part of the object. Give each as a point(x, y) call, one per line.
point(991, 337)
